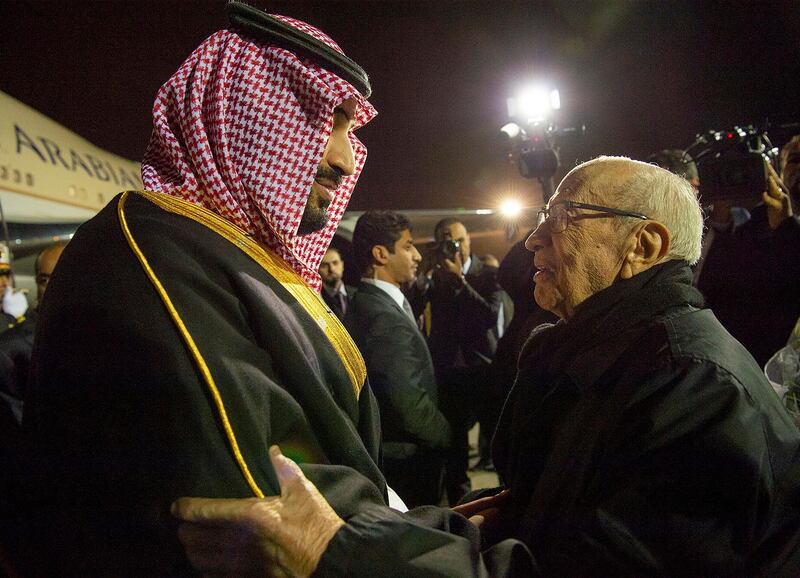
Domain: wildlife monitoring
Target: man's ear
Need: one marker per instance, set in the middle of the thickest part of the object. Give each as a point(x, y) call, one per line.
point(649, 245)
point(380, 254)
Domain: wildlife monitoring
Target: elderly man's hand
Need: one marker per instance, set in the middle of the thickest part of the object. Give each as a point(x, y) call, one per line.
point(487, 514)
point(276, 536)
point(777, 199)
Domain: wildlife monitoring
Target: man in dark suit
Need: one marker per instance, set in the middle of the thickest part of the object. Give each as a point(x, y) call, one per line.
point(334, 292)
point(467, 317)
point(414, 431)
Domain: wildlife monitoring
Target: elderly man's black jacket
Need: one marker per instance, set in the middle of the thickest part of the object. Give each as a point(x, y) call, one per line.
point(649, 444)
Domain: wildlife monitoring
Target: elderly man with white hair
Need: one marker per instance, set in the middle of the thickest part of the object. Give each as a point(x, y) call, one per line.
point(640, 438)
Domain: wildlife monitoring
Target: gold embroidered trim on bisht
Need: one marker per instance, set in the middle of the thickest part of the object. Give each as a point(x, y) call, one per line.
point(310, 300)
point(187, 337)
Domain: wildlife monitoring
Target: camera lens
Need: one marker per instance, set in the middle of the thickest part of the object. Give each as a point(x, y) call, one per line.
point(449, 248)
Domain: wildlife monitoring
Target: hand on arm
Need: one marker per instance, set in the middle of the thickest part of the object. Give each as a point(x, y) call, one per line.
point(278, 536)
point(486, 514)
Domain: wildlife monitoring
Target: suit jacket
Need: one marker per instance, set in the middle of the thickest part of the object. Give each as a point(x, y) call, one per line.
point(400, 373)
point(333, 302)
point(464, 319)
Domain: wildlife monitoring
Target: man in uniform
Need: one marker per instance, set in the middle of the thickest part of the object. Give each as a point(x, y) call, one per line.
point(13, 304)
point(16, 346)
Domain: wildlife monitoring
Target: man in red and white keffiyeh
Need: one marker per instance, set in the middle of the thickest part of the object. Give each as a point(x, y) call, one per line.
point(263, 138)
point(180, 351)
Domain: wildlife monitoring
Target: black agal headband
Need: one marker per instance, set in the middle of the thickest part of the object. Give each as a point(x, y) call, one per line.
point(265, 27)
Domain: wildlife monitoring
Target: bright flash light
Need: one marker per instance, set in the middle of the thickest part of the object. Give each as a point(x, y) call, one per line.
point(510, 208)
point(534, 104)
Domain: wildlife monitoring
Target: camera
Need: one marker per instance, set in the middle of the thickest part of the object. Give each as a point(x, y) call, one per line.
point(449, 249)
point(534, 148)
point(732, 165)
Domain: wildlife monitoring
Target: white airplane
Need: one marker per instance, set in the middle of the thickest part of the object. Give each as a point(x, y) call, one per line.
point(49, 174)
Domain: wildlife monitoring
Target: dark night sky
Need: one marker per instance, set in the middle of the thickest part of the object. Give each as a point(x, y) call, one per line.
point(642, 75)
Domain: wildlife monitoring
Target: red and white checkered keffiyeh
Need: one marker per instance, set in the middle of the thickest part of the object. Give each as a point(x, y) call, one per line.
point(241, 128)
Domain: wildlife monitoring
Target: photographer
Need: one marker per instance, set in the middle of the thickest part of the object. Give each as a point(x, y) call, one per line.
point(750, 269)
point(467, 315)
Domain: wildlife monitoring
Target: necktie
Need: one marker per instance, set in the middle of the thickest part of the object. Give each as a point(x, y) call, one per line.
point(342, 303)
point(408, 310)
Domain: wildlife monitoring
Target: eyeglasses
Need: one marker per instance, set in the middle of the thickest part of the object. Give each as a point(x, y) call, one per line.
point(558, 215)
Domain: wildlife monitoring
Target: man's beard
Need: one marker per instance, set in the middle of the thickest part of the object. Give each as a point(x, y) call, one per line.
point(332, 282)
point(315, 217)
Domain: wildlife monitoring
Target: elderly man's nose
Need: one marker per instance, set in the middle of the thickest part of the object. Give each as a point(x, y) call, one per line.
point(537, 239)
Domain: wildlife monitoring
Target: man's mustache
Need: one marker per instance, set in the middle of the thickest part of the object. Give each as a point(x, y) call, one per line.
point(330, 174)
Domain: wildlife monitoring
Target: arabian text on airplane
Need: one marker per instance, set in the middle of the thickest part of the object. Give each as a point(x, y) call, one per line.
point(50, 152)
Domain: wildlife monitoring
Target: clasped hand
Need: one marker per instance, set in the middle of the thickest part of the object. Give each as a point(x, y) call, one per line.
point(487, 514)
point(277, 536)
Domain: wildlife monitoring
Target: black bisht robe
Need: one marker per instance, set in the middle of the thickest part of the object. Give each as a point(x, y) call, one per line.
point(120, 420)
